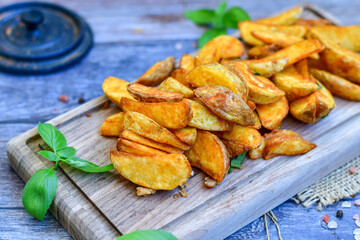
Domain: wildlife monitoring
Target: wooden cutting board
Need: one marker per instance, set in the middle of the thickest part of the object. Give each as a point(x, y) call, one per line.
point(104, 205)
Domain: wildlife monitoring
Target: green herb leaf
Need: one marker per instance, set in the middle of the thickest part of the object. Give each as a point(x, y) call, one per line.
point(87, 166)
point(67, 152)
point(229, 171)
point(52, 137)
point(238, 160)
point(49, 155)
point(202, 16)
point(39, 192)
point(319, 86)
point(148, 235)
point(210, 34)
point(233, 16)
point(257, 74)
point(219, 15)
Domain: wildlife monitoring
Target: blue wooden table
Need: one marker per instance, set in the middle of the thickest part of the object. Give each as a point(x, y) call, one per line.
point(130, 35)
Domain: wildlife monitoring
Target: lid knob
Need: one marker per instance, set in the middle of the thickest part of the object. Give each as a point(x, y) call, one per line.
point(32, 18)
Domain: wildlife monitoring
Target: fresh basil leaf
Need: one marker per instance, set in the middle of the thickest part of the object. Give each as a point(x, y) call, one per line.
point(229, 171)
point(67, 152)
point(219, 15)
point(39, 192)
point(86, 166)
point(238, 160)
point(49, 155)
point(202, 16)
point(148, 235)
point(210, 34)
point(235, 15)
point(52, 137)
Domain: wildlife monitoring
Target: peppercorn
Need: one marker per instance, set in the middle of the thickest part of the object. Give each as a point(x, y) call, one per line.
point(339, 214)
point(81, 100)
point(326, 219)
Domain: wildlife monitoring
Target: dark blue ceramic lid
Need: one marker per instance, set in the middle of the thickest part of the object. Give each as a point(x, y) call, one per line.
point(37, 37)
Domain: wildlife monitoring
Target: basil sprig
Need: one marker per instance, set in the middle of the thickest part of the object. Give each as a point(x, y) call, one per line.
point(237, 161)
point(39, 191)
point(218, 20)
point(148, 235)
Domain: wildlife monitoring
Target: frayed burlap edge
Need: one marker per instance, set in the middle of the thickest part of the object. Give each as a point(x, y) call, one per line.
point(335, 186)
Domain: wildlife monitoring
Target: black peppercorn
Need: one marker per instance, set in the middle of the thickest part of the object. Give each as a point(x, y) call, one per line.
point(81, 100)
point(339, 214)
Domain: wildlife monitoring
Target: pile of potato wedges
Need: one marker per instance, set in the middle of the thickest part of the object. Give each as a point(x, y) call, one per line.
point(231, 98)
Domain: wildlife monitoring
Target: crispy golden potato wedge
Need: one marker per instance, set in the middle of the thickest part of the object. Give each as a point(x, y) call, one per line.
point(157, 73)
point(187, 134)
point(151, 94)
point(124, 145)
point(266, 67)
point(115, 88)
point(348, 37)
point(256, 153)
point(216, 74)
point(311, 108)
point(172, 85)
point(285, 142)
point(294, 84)
point(257, 121)
point(210, 155)
point(271, 115)
point(303, 69)
point(286, 18)
point(313, 22)
point(225, 104)
point(198, 61)
point(316, 63)
point(168, 114)
point(279, 38)
point(180, 76)
point(204, 119)
point(247, 27)
point(263, 51)
point(251, 105)
point(240, 139)
point(337, 85)
point(129, 135)
point(226, 47)
point(112, 126)
point(187, 62)
point(340, 61)
point(146, 127)
point(159, 172)
point(298, 51)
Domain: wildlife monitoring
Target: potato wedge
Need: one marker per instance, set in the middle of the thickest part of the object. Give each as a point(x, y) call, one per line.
point(199, 61)
point(216, 74)
point(151, 94)
point(266, 67)
point(285, 142)
point(226, 47)
point(112, 126)
point(187, 62)
point(204, 119)
point(263, 51)
point(313, 22)
point(211, 55)
point(172, 85)
point(124, 145)
point(337, 85)
point(294, 84)
point(286, 18)
point(157, 73)
point(257, 121)
point(180, 76)
point(257, 152)
point(168, 114)
point(247, 27)
point(210, 155)
point(240, 139)
point(271, 115)
point(225, 104)
point(159, 172)
point(187, 134)
point(115, 88)
point(251, 105)
point(129, 135)
point(279, 38)
point(146, 127)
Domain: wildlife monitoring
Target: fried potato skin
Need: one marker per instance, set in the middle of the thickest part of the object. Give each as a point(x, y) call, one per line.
point(172, 85)
point(115, 88)
point(180, 76)
point(187, 62)
point(337, 85)
point(286, 18)
point(271, 115)
point(187, 134)
point(263, 51)
point(151, 94)
point(240, 139)
point(281, 39)
point(226, 46)
point(131, 136)
point(285, 142)
point(158, 172)
point(146, 127)
point(112, 126)
point(257, 152)
point(313, 22)
point(204, 119)
point(124, 145)
point(225, 104)
point(210, 155)
point(266, 67)
point(168, 114)
point(257, 121)
point(157, 73)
